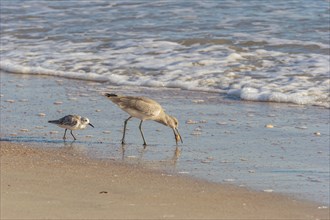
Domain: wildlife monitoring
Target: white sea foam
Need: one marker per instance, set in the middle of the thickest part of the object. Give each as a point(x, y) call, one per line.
point(234, 57)
point(243, 74)
point(271, 96)
point(16, 68)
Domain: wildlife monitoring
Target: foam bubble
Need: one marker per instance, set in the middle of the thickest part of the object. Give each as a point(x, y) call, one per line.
point(233, 57)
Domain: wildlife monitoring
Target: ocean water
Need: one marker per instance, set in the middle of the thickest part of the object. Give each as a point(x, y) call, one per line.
point(270, 51)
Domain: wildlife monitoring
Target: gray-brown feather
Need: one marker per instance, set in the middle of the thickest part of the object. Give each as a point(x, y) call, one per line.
point(70, 120)
point(140, 104)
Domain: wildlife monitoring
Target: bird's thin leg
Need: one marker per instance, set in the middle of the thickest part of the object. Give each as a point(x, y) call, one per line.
point(176, 141)
point(140, 127)
point(64, 134)
point(73, 135)
point(123, 139)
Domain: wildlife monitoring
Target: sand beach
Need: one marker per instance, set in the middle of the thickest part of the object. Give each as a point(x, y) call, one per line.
point(51, 183)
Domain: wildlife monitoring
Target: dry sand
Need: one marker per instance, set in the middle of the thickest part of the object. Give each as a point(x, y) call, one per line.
point(49, 183)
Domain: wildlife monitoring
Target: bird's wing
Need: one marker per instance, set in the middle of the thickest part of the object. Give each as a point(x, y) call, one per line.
point(144, 105)
point(148, 106)
point(70, 120)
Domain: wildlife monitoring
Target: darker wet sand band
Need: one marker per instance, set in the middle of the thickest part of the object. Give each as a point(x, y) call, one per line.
point(50, 183)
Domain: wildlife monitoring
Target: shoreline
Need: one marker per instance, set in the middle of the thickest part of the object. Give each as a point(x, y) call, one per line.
point(54, 183)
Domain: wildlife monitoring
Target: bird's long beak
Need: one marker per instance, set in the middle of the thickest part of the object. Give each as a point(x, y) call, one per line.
point(177, 135)
point(91, 125)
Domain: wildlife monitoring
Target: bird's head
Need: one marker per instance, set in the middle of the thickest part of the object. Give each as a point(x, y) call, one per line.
point(173, 123)
point(85, 122)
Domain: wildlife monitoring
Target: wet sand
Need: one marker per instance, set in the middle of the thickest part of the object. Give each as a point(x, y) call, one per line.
point(95, 177)
point(59, 183)
point(265, 146)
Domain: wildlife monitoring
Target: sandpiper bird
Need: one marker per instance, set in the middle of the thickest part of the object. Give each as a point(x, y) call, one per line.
point(72, 122)
point(144, 109)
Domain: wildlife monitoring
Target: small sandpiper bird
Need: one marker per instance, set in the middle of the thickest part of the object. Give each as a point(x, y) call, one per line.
point(144, 109)
point(72, 122)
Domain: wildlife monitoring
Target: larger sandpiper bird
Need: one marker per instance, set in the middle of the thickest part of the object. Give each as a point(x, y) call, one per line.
point(72, 122)
point(144, 109)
